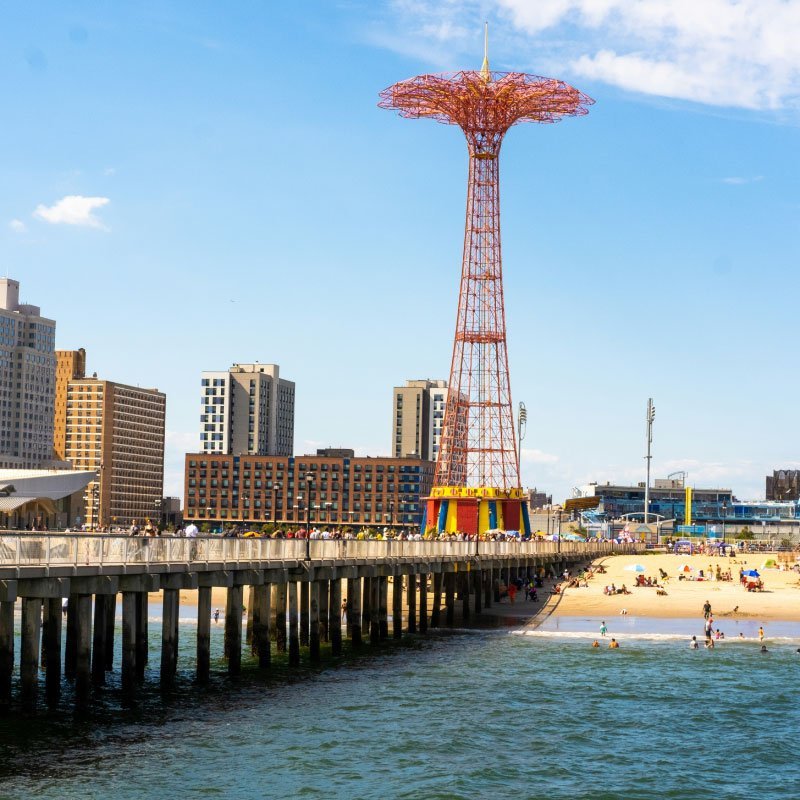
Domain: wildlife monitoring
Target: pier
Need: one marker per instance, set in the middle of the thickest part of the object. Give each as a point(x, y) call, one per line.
point(292, 587)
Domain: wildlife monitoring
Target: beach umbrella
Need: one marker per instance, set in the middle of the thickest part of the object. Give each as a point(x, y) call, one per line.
point(751, 573)
point(684, 568)
point(635, 568)
point(770, 562)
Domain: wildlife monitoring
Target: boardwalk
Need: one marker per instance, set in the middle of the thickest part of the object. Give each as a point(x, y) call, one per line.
point(295, 590)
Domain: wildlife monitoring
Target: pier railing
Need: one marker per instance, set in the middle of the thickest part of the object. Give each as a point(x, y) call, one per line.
point(26, 549)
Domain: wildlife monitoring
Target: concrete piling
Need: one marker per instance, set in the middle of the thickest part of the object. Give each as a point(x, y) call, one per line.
point(111, 625)
point(305, 605)
point(128, 642)
point(477, 587)
point(354, 611)
point(397, 606)
point(6, 652)
point(83, 647)
point(280, 617)
point(294, 639)
point(366, 602)
point(52, 655)
point(315, 587)
point(423, 602)
point(411, 601)
point(335, 617)
point(99, 641)
point(374, 610)
point(29, 651)
point(142, 628)
point(383, 607)
point(449, 598)
point(233, 628)
point(437, 599)
point(169, 636)
point(325, 611)
point(203, 633)
point(465, 579)
point(261, 617)
point(71, 644)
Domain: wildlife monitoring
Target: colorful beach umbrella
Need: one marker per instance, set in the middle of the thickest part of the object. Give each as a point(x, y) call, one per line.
point(751, 573)
point(635, 568)
point(684, 568)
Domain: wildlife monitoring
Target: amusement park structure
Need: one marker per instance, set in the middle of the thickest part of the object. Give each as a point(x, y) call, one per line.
point(477, 481)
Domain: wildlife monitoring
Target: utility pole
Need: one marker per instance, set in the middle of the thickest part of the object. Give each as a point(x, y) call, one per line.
point(651, 415)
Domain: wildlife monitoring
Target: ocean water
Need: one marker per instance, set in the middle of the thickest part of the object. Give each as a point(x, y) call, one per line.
point(462, 715)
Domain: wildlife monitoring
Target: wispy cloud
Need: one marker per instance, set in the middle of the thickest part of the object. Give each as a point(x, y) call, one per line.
point(738, 180)
point(737, 53)
point(18, 226)
point(535, 456)
point(74, 209)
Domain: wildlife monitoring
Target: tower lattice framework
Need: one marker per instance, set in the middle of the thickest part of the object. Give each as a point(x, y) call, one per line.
point(478, 445)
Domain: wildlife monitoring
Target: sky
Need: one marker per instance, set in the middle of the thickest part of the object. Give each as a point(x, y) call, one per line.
point(187, 185)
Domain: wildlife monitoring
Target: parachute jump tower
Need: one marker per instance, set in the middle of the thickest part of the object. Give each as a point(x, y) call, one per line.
point(477, 481)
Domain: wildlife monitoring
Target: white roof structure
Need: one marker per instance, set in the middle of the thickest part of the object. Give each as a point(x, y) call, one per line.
point(21, 486)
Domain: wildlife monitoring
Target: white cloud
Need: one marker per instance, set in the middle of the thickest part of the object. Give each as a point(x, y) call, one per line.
point(740, 53)
point(74, 209)
point(738, 180)
point(17, 225)
point(535, 456)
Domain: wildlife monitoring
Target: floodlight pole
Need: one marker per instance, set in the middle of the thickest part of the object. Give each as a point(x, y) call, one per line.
point(651, 413)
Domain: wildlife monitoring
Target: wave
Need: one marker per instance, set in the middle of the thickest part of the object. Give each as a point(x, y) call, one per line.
point(652, 637)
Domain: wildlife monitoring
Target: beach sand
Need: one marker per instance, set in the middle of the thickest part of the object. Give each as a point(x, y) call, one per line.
point(780, 599)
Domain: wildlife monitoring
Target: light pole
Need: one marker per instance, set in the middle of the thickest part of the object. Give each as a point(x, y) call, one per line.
point(559, 529)
point(309, 481)
point(651, 415)
point(522, 426)
point(276, 487)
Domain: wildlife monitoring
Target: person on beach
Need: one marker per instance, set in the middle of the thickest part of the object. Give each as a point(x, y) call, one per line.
point(760, 634)
point(693, 644)
point(706, 610)
point(344, 607)
point(216, 615)
point(613, 644)
point(603, 628)
point(512, 592)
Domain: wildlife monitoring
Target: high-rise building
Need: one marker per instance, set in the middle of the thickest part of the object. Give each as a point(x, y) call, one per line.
point(70, 364)
point(249, 409)
point(417, 418)
point(117, 431)
point(27, 382)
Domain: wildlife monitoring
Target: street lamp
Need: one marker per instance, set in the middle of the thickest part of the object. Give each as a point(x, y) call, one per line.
point(522, 424)
point(309, 481)
point(276, 487)
point(559, 530)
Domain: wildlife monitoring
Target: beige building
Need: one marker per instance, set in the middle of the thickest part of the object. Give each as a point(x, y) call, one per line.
point(248, 409)
point(70, 364)
point(27, 382)
point(417, 418)
point(117, 431)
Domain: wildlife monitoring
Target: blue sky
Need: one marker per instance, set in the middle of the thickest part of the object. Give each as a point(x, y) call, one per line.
point(192, 184)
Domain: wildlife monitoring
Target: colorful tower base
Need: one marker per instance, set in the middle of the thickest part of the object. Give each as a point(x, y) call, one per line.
point(460, 509)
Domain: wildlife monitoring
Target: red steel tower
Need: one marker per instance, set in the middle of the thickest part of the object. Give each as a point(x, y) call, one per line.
point(477, 484)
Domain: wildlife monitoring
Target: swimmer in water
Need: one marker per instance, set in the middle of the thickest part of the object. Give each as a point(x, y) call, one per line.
point(595, 643)
point(693, 644)
point(764, 649)
point(614, 644)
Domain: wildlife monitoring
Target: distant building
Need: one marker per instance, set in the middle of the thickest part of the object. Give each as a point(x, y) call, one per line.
point(345, 490)
point(70, 365)
point(667, 499)
point(117, 431)
point(417, 418)
point(784, 484)
point(538, 499)
point(27, 382)
point(248, 409)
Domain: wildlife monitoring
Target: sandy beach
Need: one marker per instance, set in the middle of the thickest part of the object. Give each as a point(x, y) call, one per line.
point(780, 599)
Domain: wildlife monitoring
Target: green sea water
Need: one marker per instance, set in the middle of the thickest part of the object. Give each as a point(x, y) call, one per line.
point(464, 715)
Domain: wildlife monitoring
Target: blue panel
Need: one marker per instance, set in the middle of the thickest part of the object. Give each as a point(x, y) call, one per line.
point(492, 514)
point(442, 515)
point(526, 520)
point(424, 519)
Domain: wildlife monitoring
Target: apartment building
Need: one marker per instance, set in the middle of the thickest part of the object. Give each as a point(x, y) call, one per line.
point(27, 382)
point(247, 409)
point(342, 490)
point(417, 418)
point(117, 431)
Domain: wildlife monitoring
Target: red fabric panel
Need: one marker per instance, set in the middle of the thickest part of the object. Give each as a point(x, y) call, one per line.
point(467, 516)
point(511, 513)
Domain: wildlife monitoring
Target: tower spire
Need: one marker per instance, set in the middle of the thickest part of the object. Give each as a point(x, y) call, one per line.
point(485, 73)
